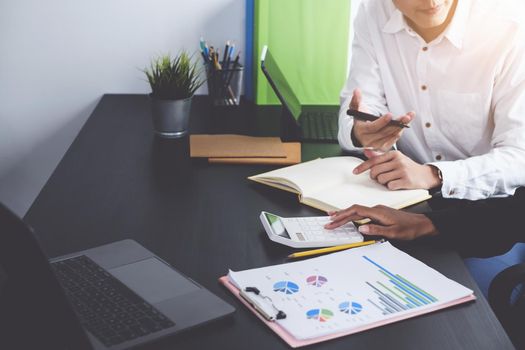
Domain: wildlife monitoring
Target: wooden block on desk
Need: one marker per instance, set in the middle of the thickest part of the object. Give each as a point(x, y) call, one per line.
point(236, 146)
point(293, 156)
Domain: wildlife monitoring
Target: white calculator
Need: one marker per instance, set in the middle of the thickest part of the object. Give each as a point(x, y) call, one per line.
point(308, 232)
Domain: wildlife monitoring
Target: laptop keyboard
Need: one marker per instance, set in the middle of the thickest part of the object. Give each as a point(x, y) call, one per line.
point(319, 126)
point(106, 307)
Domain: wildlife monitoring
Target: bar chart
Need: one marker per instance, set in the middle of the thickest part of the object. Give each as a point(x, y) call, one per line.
point(395, 293)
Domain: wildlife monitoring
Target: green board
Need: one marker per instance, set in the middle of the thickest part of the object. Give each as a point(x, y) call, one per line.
point(309, 40)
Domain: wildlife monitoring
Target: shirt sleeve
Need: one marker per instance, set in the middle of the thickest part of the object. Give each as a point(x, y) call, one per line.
point(500, 171)
point(364, 74)
point(481, 228)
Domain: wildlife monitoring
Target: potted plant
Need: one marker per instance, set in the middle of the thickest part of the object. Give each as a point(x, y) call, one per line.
point(173, 83)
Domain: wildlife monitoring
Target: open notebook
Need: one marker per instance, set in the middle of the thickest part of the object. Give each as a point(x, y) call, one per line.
point(346, 292)
point(329, 184)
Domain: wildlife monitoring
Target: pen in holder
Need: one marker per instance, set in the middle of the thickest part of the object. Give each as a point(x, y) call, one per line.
point(224, 77)
point(224, 84)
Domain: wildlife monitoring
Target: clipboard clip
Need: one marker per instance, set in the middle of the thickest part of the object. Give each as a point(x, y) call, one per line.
point(248, 295)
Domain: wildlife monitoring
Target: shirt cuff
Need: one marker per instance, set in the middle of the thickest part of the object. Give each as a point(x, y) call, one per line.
point(346, 125)
point(452, 179)
point(458, 184)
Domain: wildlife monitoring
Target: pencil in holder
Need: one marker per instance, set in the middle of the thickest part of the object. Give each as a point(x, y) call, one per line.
point(224, 85)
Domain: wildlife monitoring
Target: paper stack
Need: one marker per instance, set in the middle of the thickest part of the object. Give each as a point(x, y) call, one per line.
point(240, 149)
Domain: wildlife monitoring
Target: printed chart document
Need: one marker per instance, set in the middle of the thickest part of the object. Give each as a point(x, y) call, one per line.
point(329, 184)
point(348, 292)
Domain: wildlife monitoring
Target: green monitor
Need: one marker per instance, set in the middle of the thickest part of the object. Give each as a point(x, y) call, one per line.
point(279, 84)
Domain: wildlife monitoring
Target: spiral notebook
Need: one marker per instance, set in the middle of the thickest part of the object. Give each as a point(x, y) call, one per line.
point(322, 300)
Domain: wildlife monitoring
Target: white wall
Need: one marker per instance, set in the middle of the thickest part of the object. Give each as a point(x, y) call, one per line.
point(58, 57)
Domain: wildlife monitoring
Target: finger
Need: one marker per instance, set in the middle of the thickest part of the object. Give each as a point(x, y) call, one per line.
point(364, 166)
point(356, 99)
point(381, 169)
point(367, 164)
point(375, 139)
point(370, 152)
point(385, 143)
point(358, 212)
point(376, 230)
point(343, 221)
point(407, 118)
point(344, 216)
point(387, 177)
point(378, 124)
point(398, 184)
point(390, 142)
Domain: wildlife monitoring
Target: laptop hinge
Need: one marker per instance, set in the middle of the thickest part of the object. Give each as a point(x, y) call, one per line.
point(290, 129)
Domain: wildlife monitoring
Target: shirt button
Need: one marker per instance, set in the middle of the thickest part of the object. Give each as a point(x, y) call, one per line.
point(425, 48)
point(423, 87)
point(428, 125)
point(451, 192)
point(438, 157)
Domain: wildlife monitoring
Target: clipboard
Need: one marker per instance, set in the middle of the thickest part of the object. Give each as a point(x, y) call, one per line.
point(296, 343)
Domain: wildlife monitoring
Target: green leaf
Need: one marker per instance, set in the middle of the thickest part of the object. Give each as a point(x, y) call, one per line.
point(174, 79)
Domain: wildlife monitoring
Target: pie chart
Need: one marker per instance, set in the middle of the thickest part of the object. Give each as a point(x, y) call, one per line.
point(350, 307)
point(286, 287)
point(316, 281)
point(321, 315)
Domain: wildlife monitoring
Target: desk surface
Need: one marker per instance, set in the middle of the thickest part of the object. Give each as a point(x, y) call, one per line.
point(118, 181)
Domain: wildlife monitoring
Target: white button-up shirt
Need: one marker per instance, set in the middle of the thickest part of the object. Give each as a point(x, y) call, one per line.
point(467, 88)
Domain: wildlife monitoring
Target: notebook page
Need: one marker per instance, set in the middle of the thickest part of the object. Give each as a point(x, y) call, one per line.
point(360, 189)
point(350, 289)
point(315, 175)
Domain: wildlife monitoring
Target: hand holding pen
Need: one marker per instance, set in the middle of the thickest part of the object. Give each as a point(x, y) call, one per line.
point(381, 133)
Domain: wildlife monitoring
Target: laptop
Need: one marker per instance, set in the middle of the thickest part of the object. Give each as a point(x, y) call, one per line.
point(115, 296)
point(299, 122)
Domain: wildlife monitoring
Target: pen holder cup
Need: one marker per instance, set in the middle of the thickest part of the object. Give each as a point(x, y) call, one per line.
point(224, 85)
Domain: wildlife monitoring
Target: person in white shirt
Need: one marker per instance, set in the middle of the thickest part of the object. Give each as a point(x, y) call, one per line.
point(454, 70)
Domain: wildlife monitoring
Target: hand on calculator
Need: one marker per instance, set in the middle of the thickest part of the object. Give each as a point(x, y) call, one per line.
point(308, 232)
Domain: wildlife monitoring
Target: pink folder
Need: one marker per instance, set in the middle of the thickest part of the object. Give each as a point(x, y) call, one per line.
point(295, 343)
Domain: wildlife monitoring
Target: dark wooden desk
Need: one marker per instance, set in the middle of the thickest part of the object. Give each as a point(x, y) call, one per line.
point(118, 181)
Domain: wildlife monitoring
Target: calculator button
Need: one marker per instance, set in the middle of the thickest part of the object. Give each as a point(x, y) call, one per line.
point(300, 236)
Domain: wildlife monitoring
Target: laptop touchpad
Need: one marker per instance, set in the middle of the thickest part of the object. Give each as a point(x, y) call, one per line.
point(153, 280)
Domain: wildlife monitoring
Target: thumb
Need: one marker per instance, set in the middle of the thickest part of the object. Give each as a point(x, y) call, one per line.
point(374, 230)
point(356, 99)
point(371, 153)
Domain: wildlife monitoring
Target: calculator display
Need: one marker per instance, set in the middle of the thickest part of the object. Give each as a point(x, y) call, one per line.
point(277, 225)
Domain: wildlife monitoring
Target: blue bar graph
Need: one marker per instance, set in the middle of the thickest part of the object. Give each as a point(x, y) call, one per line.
point(399, 294)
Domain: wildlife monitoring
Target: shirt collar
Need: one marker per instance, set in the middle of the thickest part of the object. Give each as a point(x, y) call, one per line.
point(396, 23)
point(454, 33)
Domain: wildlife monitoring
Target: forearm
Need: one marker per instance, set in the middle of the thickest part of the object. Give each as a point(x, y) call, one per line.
point(481, 228)
point(346, 124)
point(495, 174)
point(365, 75)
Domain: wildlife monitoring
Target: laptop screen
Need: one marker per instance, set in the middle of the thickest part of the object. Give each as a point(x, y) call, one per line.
point(279, 83)
point(34, 311)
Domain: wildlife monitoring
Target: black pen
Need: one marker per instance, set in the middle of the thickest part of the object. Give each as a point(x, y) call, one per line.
point(370, 117)
point(225, 55)
point(232, 71)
